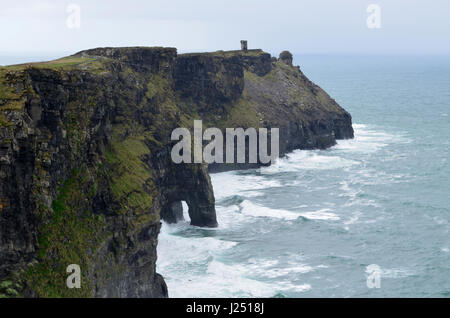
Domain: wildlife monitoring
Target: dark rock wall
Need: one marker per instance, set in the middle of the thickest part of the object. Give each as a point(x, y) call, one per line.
point(208, 79)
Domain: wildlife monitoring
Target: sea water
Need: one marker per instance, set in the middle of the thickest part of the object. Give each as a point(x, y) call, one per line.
point(311, 224)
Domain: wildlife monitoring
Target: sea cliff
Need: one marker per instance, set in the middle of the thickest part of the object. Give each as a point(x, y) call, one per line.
point(85, 167)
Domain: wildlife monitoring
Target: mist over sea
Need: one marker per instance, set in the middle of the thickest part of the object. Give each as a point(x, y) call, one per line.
point(309, 225)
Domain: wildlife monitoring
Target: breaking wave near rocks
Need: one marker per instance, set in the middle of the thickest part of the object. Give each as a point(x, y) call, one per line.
point(301, 227)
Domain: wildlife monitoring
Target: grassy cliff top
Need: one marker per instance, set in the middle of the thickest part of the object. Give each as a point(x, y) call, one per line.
point(65, 63)
point(91, 60)
point(253, 52)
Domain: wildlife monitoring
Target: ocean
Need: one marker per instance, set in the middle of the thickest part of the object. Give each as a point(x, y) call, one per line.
point(312, 223)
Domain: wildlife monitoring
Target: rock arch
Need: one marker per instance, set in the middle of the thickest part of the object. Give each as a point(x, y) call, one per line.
point(186, 182)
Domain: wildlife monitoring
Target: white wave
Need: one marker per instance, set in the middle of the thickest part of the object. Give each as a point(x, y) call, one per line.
point(222, 280)
point(185, 210)
point(255, 210)
point(277, 272)
point(251, 209)
point(230, 217)
point(231, 183)
point(307, 160)
point(243, 279)
point(396, 273)
point(192, 267)
point(272, 269)
point(358, 127)
point(185, 263)
point(321, 214)
point(176, 250)
point(253, 194)
point(288, 286)
point(368, 140)
point(219, 280)
point(239, 282)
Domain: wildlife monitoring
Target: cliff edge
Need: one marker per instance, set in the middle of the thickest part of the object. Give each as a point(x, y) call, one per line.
point(85, 167)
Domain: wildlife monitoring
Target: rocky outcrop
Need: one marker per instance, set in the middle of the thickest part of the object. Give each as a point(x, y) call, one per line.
point(85, 167)
point(286, 58)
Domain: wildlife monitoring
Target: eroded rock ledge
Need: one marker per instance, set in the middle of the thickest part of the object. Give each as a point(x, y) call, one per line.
point(85, 168)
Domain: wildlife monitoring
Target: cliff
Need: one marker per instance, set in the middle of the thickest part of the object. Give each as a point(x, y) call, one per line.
point(85, 167)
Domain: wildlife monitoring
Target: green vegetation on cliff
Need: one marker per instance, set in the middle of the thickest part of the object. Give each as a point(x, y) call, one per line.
point(10, 99)
point(95, 65)
point(4, 121)
point(70, 237)
point(131, 182)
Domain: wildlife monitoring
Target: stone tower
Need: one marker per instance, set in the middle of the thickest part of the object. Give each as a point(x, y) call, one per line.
point(244, 45)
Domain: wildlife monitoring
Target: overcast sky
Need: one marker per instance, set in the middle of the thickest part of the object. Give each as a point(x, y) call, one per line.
point(303, 26)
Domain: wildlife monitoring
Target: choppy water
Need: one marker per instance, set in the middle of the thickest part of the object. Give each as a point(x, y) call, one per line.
point(309, 225)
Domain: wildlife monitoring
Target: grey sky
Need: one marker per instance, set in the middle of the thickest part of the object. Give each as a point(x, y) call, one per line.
point(313, 26)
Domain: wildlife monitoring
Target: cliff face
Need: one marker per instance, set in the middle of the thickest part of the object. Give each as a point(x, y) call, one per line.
point(85, 167)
